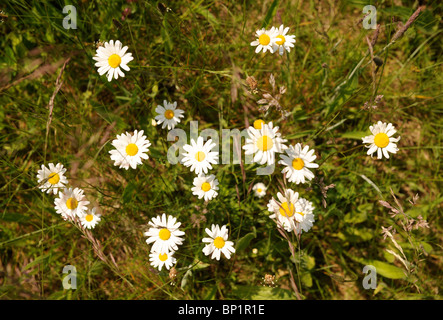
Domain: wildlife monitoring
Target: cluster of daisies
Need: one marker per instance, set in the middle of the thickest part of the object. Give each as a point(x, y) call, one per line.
point(264, 141)
point(273, 40)
point(165, 237)
point(290, 211)
point(164, 234)
point(71, 202)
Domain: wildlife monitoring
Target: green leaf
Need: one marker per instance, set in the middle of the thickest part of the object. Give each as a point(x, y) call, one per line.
point(387, 270)
point(211, 293)
point(262, 293)
point(359, 234)
point(307, 279)
point(208, 15)
point(185, 278)
point(384, 269)
point(354, 135)
point(37, 261)
point(360, 215)
point(243, 242)
point(129, 192)
point(270, 14)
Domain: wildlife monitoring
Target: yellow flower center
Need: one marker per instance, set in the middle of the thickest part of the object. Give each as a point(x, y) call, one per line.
point(286, 210)
point(298, 164)
point(258, 124)
point(131, 149)
point(264, 39)
point(114, 61)
point(163, 256)
point(164, 234)
point(53, 178)
point(219, 242)
point(381, 140)
point(282, 41)
point(72, 203)
point(169, 114)
point(89, 217)
point(200, 156)
point(301, 213)
point(206, 186)
point(264, 143)
point(259, 190)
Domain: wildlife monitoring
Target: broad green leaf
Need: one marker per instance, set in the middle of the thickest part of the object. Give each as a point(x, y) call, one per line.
point(384, 269)
point(243, 242)
point(307, 279)
point(387, 270)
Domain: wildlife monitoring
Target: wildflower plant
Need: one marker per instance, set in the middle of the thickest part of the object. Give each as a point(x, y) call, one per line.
point(295, 100)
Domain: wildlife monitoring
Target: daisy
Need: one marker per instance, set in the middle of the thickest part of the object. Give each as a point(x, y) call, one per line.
point(304, 208)
point(284, 210)
point(160, 259)
point(265, 40)
point(199, 156)
point(51, 178)
point(70, 202)
point(164, 233)
point(283, 41)
point(259, 189)
point(205, 187)
point(110, 58)
point(297, 162)
point(264, 143)
point(90, 220)
point(130, 150)
point(381, 140)
point(217, 243)
point(169, 114)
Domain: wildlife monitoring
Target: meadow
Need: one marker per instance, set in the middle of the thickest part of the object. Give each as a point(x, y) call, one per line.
point(338, 79)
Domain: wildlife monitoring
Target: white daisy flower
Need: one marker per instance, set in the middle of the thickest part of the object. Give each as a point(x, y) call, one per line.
point(264, 143)
point(265, 40)
point(160, 259)
point(130, 149)
point(205, 187)
point(284, 210)
point(169, 114)
point(51, 178)
point(164, 233)
point(89, 220)
point(283, 41)
point(306, 209)
point(218, 242)
point(70, 202)
point(111, 58)
point(259, 189)
point(381, 140)
point(297, 162)
point(199, 156)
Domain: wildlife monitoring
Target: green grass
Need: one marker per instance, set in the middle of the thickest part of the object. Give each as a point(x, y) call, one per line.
point(199, 55)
